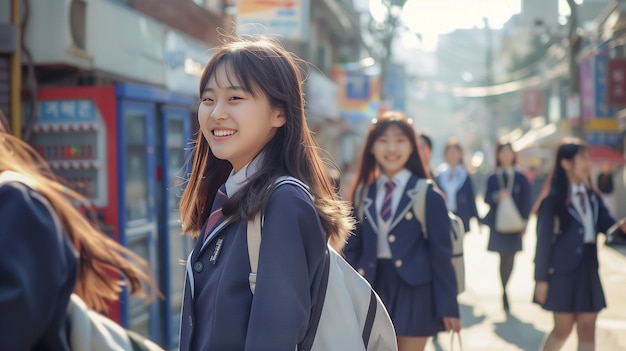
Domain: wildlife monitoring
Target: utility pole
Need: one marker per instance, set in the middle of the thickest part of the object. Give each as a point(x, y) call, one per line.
point(16, 74)
point(574, 70)
point(491, 117)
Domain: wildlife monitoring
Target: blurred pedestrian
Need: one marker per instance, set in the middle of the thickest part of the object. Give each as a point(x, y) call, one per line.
point(48, 250)
point(413, 275)
point(426, 147)
point(253, 131)
point(569, 217)
point(456, 183)
point(506, 181)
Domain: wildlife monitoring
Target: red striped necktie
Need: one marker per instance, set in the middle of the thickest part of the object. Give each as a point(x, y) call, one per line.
point(385, 211)
point(216, 213)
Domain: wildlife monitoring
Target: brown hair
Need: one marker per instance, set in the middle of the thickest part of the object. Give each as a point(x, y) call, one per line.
point(453, 143)
point(264, 69)
point(368, 168)
point(501, 145)
point(102, 261)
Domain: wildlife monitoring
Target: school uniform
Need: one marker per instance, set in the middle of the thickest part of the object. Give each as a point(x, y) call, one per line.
point(413, 276)
point(568, 260)
point(38, 269)
point(521, 192)
point(219, 311)
point(460, 197)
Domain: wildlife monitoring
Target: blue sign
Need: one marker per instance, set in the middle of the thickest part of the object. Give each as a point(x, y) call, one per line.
point(601, 68)
point(67, 111)
point(357, 86)
point(609, 139)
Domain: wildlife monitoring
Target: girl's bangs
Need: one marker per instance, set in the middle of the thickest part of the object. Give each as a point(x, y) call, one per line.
point(237, 67)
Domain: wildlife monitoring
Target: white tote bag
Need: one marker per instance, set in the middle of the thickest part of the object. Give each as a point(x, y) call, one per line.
point(508, 218)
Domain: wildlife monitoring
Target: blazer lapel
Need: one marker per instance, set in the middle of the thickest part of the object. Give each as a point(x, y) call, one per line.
point(213, 234)
point(369, 208)
point(406, 202)
point(574, 213)
point(594, 207)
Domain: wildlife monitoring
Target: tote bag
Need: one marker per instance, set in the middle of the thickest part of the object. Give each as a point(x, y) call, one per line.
point(508, 218)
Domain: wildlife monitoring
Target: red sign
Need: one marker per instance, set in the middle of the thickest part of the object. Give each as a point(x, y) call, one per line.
point(617, 82)
point(533, 103)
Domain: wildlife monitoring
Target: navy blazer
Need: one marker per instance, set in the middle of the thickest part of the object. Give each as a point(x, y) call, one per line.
point(418, 260)
point(465, 201)
point(38, 271)
point(521, 195)
point(562, 253)
point(219, 311)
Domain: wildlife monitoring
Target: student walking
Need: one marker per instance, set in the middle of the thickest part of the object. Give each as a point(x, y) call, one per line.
point(506, 182)
point(456, 183)
point(49, 250)
point(569, 217)
point(253, 131)
point(413, 275)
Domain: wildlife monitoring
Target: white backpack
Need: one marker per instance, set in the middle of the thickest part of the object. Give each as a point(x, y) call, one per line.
point(349, 315)
point(457, 230)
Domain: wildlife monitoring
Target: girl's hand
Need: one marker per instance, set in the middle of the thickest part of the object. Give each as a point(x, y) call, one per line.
point(622, 225)
point(452, 324)
point(541, 292)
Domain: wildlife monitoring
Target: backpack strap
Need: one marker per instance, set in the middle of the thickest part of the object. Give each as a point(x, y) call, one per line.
point(359, 198)
point(419, 205)
point(254, 246)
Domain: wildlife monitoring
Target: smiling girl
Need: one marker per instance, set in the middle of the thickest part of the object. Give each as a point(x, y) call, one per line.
point(570, 216)
point(412, 275)
point(253, 131)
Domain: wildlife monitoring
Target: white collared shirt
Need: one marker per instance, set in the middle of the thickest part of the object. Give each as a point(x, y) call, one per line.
point(400, 179)
point(586, 216)
point(238, 180)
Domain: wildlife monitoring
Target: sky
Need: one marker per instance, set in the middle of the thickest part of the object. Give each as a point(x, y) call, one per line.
point(430, 18)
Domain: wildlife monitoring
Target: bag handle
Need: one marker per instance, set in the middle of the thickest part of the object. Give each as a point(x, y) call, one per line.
point(419, 206)
point(452, 341)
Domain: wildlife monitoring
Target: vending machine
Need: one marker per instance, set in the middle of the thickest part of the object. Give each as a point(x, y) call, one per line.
point(125, 148)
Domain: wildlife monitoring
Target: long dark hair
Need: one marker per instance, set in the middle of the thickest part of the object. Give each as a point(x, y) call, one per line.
point(264, 69)
point(501, 145)
point(557, 182)
point(368, 168)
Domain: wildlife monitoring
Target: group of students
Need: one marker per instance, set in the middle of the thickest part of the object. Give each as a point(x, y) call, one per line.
point(253, 132)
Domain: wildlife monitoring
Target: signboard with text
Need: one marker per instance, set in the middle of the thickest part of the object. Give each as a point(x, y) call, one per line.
point(534, 102)
point(617, 82)
point(288, 19)
point(601, 69)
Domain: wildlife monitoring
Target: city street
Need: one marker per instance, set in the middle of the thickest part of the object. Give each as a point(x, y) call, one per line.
point(487, 328)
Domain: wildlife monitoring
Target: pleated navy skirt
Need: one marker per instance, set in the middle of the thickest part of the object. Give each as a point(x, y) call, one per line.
point(411, 308)
point(579, 291)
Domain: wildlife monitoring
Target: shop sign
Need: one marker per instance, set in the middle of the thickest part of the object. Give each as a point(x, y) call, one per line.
point(617, 82)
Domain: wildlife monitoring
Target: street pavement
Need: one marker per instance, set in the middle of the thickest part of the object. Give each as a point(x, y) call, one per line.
point(486, 327)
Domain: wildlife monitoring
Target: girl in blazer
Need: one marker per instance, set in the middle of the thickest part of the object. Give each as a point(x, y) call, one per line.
point(49, 250)
point(253, 131)
point(569, 218)
point(413, 275)
point(498, 187)
point(456, 183)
